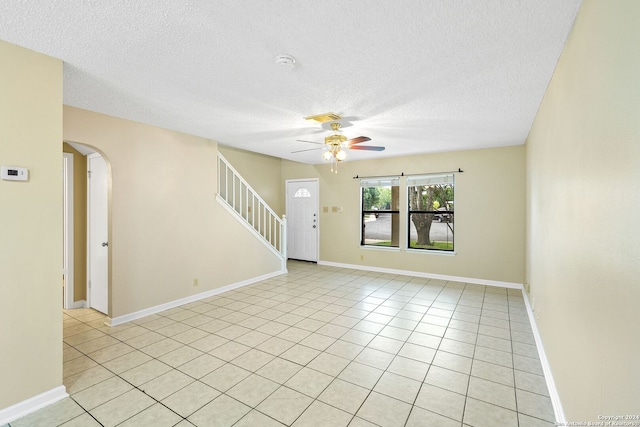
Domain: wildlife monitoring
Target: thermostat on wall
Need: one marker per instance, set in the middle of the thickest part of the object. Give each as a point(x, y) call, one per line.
point(12, 173)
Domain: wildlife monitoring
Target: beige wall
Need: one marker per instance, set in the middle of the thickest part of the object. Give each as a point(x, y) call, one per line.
point(79, 223)
point(30, 225)
point(166, 227)
point(583, 180)
point(582, 215)
point(261, 172)
point(490, 213)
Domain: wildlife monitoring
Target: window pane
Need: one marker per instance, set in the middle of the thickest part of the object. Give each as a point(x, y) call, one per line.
point(435, 234)
point(381, 229)
point(431, 212)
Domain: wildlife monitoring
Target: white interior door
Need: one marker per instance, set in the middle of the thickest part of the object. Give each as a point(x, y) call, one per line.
point(97, 230)
point(67, 259)
point(302, 220)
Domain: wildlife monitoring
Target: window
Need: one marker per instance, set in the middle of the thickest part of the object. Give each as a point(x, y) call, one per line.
point(431, 212)
point(380, 212)
point(302, 193)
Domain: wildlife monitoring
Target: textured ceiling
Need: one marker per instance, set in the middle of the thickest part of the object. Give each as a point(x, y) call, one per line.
point(416, 76)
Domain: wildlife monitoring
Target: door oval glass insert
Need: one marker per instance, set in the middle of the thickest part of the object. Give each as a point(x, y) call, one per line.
point(302, 192)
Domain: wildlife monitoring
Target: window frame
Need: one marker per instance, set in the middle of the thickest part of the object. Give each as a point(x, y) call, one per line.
point(431, 180)
point(390, 181)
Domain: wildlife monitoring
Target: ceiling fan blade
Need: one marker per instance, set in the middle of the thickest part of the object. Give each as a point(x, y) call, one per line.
point(308, 149)
point(310, 142)
point(367, 148)
point(358, 140)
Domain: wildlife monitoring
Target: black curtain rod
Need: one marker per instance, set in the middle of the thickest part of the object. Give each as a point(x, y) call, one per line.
point(378, 176)
point(436, 173)
point(402, 174)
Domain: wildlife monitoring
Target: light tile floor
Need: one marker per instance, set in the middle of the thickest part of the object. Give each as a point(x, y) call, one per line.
point(319, 346)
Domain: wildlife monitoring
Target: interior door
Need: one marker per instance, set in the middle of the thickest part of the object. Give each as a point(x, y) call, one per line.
point(67, 249)
point(302, 220)
point(97, 231)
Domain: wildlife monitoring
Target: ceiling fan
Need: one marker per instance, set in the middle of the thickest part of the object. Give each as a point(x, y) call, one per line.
point(336, 144)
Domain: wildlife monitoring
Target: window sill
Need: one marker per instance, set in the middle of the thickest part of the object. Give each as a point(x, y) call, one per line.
point(417, 251)
point(431, 252)
point(380, 248)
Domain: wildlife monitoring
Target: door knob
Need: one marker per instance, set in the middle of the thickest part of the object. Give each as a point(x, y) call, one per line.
point(105, 244)
point(314, 226)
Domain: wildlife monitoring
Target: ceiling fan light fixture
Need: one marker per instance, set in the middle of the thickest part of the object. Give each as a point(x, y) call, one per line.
point(335, 139)
point(336, 145)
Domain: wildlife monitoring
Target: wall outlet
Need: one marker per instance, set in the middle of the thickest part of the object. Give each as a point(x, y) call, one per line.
point(195, 282)
point(361, 257)
point(527, 287)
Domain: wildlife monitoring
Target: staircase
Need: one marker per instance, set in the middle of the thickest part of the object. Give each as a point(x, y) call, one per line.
point(237, 196)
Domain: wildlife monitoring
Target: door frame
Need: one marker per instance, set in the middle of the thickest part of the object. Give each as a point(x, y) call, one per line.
point(68, 250)
point(317, 197)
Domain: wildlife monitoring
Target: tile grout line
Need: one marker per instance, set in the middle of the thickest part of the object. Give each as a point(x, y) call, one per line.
point(353, 416)
point(239, 296)
point(430, 364)
point(513, 361)
point(475, 346)
point(353, 360)
point(128, 382)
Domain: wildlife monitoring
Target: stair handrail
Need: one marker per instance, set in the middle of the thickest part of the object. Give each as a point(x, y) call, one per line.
point(280, 244)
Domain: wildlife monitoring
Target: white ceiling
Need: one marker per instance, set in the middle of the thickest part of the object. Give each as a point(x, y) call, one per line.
point(416, 76)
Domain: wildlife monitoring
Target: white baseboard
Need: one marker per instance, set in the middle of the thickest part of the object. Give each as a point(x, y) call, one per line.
point(553, 392)
point(28, 406)
point(425, 275)
point(166, 306)
point(79, 304)
point(546, 368)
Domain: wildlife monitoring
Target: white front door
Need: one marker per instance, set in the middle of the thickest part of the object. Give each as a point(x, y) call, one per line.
point(97, 228)
point(302, 220)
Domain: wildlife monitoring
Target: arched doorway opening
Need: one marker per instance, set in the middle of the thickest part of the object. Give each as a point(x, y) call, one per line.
point(86, 228)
